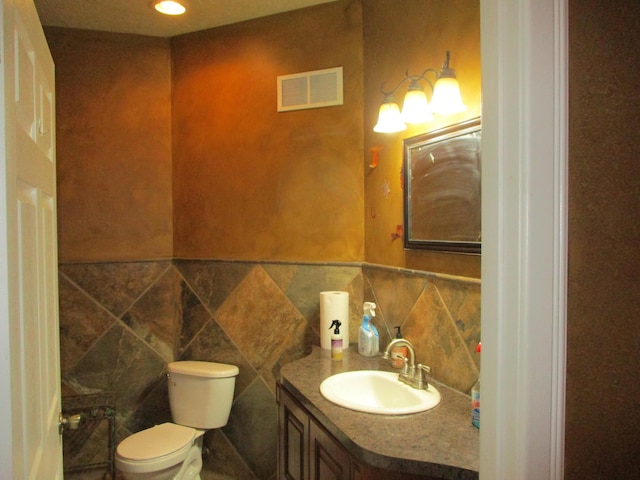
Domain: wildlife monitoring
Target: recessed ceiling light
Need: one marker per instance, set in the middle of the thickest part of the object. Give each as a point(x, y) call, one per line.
point(169, 7)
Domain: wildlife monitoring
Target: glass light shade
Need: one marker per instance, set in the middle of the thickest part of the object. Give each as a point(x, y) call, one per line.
point(169, 7)
point(415, 108)
point(389, 119)
point(446, 97)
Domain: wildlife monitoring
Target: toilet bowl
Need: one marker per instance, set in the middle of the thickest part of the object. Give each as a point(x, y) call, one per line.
point(200, 396)
point(160, 453)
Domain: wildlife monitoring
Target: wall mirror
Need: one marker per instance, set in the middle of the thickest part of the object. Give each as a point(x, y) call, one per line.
point(441, 175)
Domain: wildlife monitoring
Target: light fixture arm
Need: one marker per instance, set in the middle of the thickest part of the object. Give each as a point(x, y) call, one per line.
point(446, 71)
point(414, 82)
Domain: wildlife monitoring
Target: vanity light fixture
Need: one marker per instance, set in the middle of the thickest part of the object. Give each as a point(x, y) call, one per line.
point(169, 7)
point(445, 100)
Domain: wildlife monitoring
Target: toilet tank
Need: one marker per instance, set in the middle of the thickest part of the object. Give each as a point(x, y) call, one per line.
point(201, 393)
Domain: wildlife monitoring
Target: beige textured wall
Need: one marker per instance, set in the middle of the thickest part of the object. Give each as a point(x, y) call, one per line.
point(113, 95)
point(174, 148)
point(603, 392)
point(252, 183)
point(411, 35)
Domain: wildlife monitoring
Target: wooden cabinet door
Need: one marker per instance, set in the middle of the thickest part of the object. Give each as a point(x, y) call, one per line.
point(328, 460)
point(293, 438)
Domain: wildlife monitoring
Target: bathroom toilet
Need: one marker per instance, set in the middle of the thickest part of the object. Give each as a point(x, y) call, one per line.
point(200, 397)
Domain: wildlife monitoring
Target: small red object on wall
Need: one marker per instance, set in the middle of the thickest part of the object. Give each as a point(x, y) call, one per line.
point(375, 155)
point(398, 233)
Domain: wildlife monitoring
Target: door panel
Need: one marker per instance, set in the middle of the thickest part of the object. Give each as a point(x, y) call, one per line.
point(29, 246)
point(328, 459)
point(293, 434)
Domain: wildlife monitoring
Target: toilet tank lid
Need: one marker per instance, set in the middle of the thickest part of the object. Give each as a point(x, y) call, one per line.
point(203, 369)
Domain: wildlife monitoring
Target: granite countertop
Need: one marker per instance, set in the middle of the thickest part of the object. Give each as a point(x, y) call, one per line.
point(439, 442)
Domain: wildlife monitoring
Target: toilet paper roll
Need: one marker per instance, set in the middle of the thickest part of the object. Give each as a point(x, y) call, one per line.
point(334, 306)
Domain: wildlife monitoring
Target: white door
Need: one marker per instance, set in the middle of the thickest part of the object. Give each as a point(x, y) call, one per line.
point(30, 361)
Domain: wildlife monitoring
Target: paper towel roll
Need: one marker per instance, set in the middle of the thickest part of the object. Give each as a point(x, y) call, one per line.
point(334, 306)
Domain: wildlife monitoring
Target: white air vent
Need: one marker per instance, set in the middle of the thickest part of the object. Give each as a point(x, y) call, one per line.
point(319, 88)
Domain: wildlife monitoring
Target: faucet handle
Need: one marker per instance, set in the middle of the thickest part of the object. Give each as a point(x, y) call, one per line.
point(421, 376)
point(405, 362)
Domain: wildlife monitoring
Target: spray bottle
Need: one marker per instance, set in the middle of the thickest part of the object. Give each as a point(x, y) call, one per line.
point(368, 337)
point(336, 340)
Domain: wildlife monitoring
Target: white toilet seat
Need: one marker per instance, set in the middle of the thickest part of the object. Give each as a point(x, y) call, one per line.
point(155, 448)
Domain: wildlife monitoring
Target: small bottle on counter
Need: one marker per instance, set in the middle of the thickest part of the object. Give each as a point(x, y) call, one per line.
point(401, 349)
point(475, 398)
point(368, 337)
point(336, 340)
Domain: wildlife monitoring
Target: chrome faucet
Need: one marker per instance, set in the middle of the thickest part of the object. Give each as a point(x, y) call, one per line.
point(411, 374)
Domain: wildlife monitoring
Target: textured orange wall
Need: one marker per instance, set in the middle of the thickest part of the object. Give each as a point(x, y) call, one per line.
point(412, 35)
point(252, 183)
point(113, 95)
point(248, 183)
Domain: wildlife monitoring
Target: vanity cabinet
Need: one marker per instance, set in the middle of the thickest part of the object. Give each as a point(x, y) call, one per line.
point(307, 451)
point(293, 437)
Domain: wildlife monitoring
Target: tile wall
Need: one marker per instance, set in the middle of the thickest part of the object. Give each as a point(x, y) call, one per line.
point(120, 323)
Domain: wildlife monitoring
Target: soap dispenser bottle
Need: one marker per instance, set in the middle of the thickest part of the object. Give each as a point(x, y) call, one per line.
point(368, 337)
point(336, 340)
point(475, 398)
point(398, 349)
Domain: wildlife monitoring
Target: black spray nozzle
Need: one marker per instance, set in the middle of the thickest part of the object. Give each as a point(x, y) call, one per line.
point(337, 323)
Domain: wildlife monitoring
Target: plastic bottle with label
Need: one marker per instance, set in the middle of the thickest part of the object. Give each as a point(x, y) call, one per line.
point(368, 337)
point(336, 340)
point(475, 398)
point(401, 349)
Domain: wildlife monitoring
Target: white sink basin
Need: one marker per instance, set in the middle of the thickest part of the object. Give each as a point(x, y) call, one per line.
point(372, 391)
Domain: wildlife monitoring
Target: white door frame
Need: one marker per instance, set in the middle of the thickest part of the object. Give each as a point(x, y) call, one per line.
point(524, 244)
